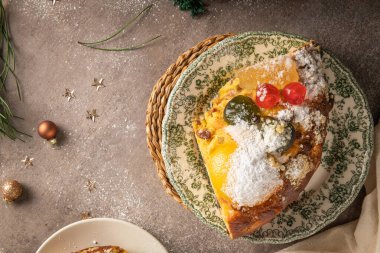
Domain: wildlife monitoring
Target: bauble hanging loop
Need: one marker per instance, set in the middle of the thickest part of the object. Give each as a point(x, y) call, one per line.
point(11, 190)
point(48, 130)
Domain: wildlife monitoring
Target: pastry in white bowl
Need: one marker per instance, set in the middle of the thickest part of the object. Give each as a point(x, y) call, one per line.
point(103, 249)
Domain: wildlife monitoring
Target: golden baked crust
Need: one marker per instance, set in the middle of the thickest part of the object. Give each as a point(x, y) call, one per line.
point(296, 165)
point(103, 249)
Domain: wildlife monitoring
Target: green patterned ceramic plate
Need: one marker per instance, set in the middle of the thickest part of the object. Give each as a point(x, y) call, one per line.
point(347, 149)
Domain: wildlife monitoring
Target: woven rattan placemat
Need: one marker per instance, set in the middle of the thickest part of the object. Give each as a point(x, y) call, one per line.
point(157, 103)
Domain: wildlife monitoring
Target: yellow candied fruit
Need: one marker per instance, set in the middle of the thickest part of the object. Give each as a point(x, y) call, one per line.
point(218, 159)
point(229, 88)
point(279, 72)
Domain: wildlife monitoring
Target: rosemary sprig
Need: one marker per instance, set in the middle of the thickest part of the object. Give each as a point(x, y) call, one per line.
point(8, 66)
point(126, 25)
point(143, 44)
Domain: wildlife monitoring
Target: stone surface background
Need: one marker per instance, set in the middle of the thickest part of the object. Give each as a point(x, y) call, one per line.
point(112, 151)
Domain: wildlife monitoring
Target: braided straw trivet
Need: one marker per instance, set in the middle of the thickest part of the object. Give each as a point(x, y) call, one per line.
point(157, 104)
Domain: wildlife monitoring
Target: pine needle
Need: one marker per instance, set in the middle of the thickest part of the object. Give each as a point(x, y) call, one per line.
point(8, 66)
point(143, 44)
point(126, 25)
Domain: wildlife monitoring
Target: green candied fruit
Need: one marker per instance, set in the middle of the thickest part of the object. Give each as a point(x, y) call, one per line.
point(241, 108)
point(289, 136)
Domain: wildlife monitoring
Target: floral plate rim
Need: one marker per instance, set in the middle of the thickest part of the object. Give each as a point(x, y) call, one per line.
point(167, 117)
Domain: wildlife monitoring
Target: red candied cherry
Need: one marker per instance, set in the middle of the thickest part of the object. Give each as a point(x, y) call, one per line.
point(294, 93)
point(267, 95)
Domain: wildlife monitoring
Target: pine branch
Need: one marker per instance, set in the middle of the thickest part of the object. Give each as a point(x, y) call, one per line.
point(130, 48)
point(8, 66)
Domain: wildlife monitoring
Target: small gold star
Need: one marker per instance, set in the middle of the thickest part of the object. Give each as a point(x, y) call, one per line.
point(28, 161)
point(98, 83)
point(90, 185)
point(92, 115)
point(69, 94)
point(85, 215)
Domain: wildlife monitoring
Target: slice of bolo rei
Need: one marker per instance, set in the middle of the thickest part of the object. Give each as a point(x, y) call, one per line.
point(261, 140)
point(103, 249)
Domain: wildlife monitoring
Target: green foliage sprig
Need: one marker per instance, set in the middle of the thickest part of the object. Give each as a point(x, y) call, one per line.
point(196, 7)
point(7, 58)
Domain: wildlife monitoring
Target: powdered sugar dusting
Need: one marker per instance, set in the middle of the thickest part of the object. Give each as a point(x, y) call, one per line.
point(309, 120)
point(285, 115)
point(251, 179)
point(309, 64)
point(288, 62)
point(297, 169)
point(262, 93)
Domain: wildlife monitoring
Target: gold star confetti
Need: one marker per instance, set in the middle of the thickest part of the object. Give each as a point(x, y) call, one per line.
point(85, 215)
point(28, 161)
point(92, 115)
point(98, 83)
point(90, 185)
point(69, 94)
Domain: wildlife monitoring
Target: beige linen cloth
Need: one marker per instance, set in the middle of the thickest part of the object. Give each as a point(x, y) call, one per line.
point(359, 236)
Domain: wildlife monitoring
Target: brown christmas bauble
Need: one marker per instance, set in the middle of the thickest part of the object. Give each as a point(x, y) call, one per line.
point(48, 130)
point(11, 190)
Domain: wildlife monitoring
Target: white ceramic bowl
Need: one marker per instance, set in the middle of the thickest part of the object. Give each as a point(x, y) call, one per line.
point(103, 231)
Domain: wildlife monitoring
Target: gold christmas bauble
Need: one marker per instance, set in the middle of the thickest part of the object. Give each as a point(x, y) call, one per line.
point(11, 190)
point(48, 130)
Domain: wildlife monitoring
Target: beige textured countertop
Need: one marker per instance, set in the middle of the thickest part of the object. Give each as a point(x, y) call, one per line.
point(112, 151)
